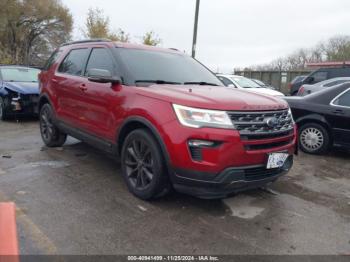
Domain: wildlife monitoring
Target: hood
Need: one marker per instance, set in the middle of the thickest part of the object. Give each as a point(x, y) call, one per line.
point(24, 88)
point(265, 91)
point(213, 97)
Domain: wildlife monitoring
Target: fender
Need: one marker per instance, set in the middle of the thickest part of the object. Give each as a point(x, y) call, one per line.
point(151, 127)
point(41, 99)
point(311, 117)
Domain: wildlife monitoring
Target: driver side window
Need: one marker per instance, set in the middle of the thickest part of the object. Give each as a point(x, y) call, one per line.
point(100, 58)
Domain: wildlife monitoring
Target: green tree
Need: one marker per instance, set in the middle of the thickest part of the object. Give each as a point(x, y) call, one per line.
point(150, 38)
point(31, 29)
point(97, 25)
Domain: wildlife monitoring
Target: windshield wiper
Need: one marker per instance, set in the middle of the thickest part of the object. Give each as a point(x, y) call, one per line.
point(200, 83)
point(158, 82)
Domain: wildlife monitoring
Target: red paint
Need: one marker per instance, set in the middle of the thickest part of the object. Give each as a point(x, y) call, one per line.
point(100, 110)
point(8, 232)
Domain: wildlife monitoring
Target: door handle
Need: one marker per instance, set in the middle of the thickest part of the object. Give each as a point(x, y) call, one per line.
point(83, 87)
point(338, 112)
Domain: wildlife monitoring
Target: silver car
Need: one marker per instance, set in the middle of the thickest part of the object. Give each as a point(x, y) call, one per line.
point(305, 90)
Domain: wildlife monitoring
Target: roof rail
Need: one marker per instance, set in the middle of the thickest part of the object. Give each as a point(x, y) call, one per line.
point(88, 41)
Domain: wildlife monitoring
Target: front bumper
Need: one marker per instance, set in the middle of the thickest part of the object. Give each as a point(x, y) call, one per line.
point(25, 105)
point(231, 180)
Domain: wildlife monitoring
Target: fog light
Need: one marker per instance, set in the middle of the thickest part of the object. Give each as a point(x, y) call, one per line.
point(201, 143)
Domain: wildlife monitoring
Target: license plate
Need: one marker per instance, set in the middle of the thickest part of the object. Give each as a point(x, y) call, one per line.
point(276, 160)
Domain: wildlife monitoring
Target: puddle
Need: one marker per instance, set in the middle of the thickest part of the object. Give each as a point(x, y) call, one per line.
point(51, 164)
point(241, 206)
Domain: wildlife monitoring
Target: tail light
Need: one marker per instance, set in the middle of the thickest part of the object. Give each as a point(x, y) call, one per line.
point(290, 86)
point(301, 91)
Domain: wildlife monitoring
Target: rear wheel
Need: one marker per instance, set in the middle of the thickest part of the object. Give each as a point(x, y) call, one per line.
point(143, 166)
point(50, 134)
point(313, 139)
point(2, 109)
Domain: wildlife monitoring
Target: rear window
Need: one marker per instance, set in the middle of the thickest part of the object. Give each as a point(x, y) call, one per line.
point(74, 63)
point(320, 76)
point(343, 100)
point(333, 83)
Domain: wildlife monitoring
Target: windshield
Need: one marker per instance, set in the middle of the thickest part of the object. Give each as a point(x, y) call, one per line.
point(146, 66)
point(245, 82)
point(19, 74)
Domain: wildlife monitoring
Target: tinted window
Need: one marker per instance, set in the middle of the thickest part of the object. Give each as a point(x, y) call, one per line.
point(343, 100)
point(245, 82)
point(100, 58)
point(74, 63)
point(333, 83)
point(320, 76)
point(225, 81)
point(165, 66)
point(53, 58)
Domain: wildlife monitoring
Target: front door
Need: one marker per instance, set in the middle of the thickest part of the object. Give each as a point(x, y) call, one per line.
point(101, 100)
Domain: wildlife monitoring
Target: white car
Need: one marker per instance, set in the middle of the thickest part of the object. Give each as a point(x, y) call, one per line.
point(242, 82)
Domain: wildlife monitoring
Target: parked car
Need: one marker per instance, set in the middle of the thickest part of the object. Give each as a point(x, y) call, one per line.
point(308, 89)
point(247, 84)
point(19, 91)
point(323, 118)
point(263, 84)
point(169, 118)
point(320, 75)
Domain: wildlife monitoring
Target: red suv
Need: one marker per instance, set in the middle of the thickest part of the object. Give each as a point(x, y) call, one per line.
point(167, 116)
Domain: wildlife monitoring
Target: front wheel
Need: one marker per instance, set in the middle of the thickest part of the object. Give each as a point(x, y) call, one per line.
point(313, 139)
point(50, 134)
point(143, 165)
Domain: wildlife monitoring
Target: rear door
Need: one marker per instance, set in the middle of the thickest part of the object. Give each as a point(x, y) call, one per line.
point(68, 82)
point(340, 118)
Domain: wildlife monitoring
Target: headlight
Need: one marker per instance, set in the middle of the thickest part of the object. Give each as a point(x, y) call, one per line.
point(194, 117)
point(290, 114)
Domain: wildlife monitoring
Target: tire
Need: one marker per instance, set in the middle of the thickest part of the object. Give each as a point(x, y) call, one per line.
point(3, 115)
point(143, 166)
point(313, 139)
point(50, 134)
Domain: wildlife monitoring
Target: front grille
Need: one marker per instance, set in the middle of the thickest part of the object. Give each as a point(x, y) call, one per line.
point(258, 173)
point(257, 127)
point(261, 124)
point(28, 100)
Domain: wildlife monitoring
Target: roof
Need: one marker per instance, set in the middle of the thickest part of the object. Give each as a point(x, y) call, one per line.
point(329, 64)
point(121, 45)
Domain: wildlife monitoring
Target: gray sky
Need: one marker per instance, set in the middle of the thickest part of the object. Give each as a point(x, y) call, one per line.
point(231, 33)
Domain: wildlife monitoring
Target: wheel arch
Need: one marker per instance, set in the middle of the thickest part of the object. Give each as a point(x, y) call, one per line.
point(318, 119)
point(136, 122)
point(44, 99)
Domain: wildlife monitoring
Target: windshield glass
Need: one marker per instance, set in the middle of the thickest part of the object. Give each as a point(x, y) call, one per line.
point(164, 67)
point(245, 82)
point(19, 74)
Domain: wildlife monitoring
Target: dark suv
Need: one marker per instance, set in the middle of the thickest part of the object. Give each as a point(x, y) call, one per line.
point(167, 116)
point(320, 75)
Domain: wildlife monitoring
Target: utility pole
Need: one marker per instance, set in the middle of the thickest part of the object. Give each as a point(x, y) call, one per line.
point(194, 44)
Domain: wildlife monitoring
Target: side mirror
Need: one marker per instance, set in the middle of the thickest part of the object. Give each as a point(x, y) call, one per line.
point(102, 76)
